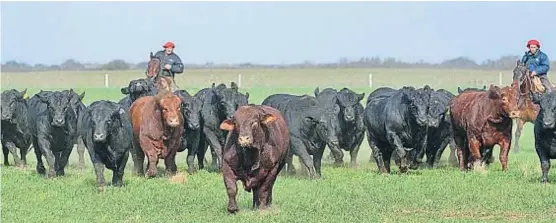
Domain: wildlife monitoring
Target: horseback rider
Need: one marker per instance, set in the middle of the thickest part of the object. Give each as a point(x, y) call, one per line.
point(170, 61)
point(537, 62)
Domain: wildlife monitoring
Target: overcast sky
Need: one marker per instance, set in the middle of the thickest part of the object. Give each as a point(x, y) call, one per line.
point(273, 32)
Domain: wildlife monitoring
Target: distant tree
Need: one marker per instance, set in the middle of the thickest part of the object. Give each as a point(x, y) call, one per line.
point(459, 62)
point(41, 67)
point(116, 65)
point(390, 62)
point(142, 65)
point(54, 67)
point(72, 64)
point(14, 66)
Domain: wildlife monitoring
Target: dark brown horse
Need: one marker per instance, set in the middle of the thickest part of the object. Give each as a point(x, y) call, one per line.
point(154, 72)
point(528, 110)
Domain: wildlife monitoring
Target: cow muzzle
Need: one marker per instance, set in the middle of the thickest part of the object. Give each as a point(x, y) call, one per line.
point(173, 122)
point(434, 123)
point(548, 124)
point(514, 114)
point(422, 121)
point(193, 126)
point(59, 122)
point(349, 118)
point(245, 141)
point(334, 142)
point(99, 137)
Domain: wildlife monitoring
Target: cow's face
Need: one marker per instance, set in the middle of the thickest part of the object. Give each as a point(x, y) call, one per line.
point(547, 113)
point(348, 101)
point(103, 120)
point(170, 105)
point(10, 99)
point(227, 100)
point(329, 125)
point(59, 107)
point(249, 123)
point(507, 97)
point(139, 88)
point(191, 111)
point(418, 103)
point(437, 110)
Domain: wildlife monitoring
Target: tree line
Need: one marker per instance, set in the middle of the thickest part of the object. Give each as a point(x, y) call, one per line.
point(503, 63)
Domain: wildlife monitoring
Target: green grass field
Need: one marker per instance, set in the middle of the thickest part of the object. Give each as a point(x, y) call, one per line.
point(342, 195)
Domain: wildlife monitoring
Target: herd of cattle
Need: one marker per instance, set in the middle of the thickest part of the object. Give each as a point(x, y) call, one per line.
point(253, 143)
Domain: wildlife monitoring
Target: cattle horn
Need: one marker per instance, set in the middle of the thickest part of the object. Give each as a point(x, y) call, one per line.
point(361, 96)
point(317, 91)
point(233, 86)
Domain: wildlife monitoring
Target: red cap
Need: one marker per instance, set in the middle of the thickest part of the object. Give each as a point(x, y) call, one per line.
point(533, 42)
point(169, 45)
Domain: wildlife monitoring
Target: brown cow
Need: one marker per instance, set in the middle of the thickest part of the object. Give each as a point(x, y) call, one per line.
point(482, 119)
point(255, 152)
point(157, 129)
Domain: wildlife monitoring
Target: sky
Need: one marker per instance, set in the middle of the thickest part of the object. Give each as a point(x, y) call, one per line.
point(272, 32)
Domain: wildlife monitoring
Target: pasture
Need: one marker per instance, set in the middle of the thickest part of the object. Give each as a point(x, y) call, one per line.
point(342, 195)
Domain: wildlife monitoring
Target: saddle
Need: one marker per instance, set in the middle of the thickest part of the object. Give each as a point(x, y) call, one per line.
point(535, 83)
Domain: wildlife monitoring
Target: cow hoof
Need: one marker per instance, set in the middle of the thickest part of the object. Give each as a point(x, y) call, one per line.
point(101, 189)
point(232, 211)
point(544, 181)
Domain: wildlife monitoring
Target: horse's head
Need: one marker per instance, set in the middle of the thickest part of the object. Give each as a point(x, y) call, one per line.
point(154, 66)
point(519, 71)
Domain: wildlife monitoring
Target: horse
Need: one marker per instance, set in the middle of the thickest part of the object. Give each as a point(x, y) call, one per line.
point(154, 72)
point(528, 109)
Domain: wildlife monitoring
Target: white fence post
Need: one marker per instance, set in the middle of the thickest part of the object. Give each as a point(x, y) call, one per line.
point(370, 80)
point(106, 80)
point(239, 80)
point(500, 79)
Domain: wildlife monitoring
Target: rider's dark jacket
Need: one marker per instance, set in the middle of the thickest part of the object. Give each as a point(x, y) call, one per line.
point(172, 59)
point(538, 61)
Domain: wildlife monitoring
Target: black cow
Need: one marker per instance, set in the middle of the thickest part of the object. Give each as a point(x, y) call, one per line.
point(191, 110)
point(545, 130)
point(107, 132)
point(219, 104)
point(53, 128)
point(348, 112)
point(439, 133)
point(472, 89)
point(307, 126)
point(396, 121)
point(136, 89)
point(15, 132)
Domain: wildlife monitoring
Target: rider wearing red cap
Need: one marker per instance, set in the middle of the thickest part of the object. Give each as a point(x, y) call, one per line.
point(537, 62)
point(171, 62)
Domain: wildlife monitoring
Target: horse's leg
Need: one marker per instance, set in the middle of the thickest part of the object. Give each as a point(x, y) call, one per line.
point(518, 130)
